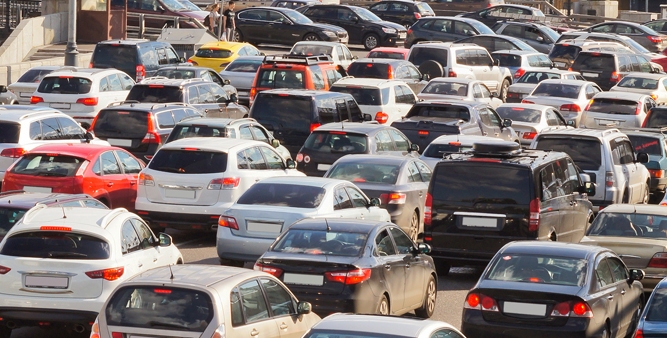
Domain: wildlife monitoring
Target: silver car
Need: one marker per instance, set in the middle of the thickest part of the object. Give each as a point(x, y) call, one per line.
point(617, 110)
point(653, 85)
point(521, 61)
point(453, 88)
point(268, 208)
point(528, 120)
point(26, 85)
point(570, 97)
point(241, 74)
point(351, 325)
point(526, 83)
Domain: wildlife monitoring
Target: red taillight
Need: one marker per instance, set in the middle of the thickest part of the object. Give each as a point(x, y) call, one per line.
point(489, 304)
point(654, 39)
point(162, 291)
point(526, 101)
point(393, 198)
point(276, 272)
point(472, 301)
point(381, 117)
point(519, 73)
point(12, 152)
point(427, 210)
point(151, 136)
point(478, 301)
point(140, 72)
point(349, 277)
point(116, 335)
point(299, 157)
point(571, 107)
point(561, 310)
point(638, 110)
point(409, 31)
point(534, 219)
point(451, 73)
point(108, 274)
point(646, 119)
point(390, 72)
point(529, 135)
point(36, 99)
point(253, 92)
point(572, 309)
point(609, 179)
point(639, 333)
point(656, 173)
point(228, 222)
point(417, 15)
point(659, 260)
point(314, 126)
point(615, 76)
point(224, 183)
point(4, 270)
point(88, 101)
point(146, 179)
point(90, 65)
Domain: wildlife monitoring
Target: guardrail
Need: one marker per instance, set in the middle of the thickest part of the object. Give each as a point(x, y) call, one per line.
point(12, 11)
point(142, 31)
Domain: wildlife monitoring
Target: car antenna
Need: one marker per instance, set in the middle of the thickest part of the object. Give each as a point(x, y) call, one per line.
point(171, 272)
point(328, 227)
point(63, 209)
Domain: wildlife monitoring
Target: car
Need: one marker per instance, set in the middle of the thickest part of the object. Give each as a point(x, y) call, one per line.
point(520, 61)
point(657, 25)
point(338, 51)
point(203, 300)
point(190, 182)
point(285, 26)
point(397, 53)
point(29, 81)
point(140, 128)
point(346, 260)
point(539, 36)
point(644, 35)
point(528, 120)
point(656, 118)
point(404, 327)
point(559, 288)
point(454, 88)
point(652, 142)
point(292, 114)
point(293, 4)
point(400, 183)
point(529, 80)
point(208, 97)
point(429, 119)
point(270, 206)
point(138, 58)
point(652, 320)
point(217, 55)
point(445, 29)
point(362, 25)
point(107, 173)
point(191, 71)
point(159, 14)
point(73, 258)
point(616, 110)
point(245, 128)
point(653, 85)
point(493, 42)
point(608, 157)
point(448, 144)
point(608, 68)
point(467, 60)
point(241, 74)
point(82, 92)
point(385, 100)
point(570, 97)
point(564, 52)
point(390, 69)
point(402, 12)
point(544, 189)
point(489, 16)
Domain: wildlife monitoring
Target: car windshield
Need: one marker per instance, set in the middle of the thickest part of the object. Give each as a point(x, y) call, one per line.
point(442, 333)
point(47, 165)
point(616, 224)
point(564, 51)
point(55, 245)
point(438, 150)
point(635, 46)
point(551, 33)
point(177, 73)
point(281, 78)
point(174, 5)
point(64, 85)
point(365, 14)
point(557, 90)
point(369, 70)
point(586, 153)
point(365, 96)
point(446, 88)
point(656, 118)
point(542, 269)
point(638, 82)
point(444, 112)
point(656, 308)
point(321, 242)
point(424, 7)
point(386, 55)
point(614, 106)
point(9, 217)
point(537, 77)
point(185, 131)
point(244, 66)
point(9, 132)
point(520, 114)
point(336, 142)
point(365, 172)
point(643, 144)
point(155, 94)
point(594, 62)
point(189, 161)
point(189, 5)
point(420, 54)
point(34, 75)
point(115, 56)
point(216, 53)
point(476, 184)
point(480, 27)
point(297, 17)
point(283, 195)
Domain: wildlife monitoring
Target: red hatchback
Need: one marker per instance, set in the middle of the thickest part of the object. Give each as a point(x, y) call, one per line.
point(104, 172)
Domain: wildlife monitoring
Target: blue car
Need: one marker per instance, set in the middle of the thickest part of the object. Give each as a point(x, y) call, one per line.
point(653, 321)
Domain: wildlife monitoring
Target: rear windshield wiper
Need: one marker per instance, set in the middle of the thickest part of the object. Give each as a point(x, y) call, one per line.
point(154, 323)
point(62, 254)
point(48, 173)
point(168, 169)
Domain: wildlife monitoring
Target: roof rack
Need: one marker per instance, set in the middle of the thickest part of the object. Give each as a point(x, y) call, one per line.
point(118, 103)
point(661, 130)
point(288, 58)
point(33, 113)
point(244, 119)
point(111, 215)
point(158, 105)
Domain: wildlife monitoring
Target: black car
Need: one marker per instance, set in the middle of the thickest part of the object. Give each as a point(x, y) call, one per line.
point(363, 26)
point(607, 68)
point(332, 141)
point(656, 118)
point(402, 12)
point(481, 200)
point(494, 42)
point(353, 266)
point(137, 57)
point(188, 71)
point(538, 36)
point(489, 16)
point(390, 69)
point(444, 28)
point(549, 290)
point(659, 25)
point(293, 4)
point(278, 25)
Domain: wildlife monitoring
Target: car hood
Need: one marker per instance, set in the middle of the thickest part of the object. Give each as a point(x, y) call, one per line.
point(199, 15)
point(523, 88)
point(388, 24)
point(328, 27)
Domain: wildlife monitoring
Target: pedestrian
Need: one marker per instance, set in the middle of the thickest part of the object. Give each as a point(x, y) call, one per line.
point(228, 24)
point(211, 20)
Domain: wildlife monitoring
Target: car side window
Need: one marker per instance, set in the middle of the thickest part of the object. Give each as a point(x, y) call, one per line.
point(260, 135)
point(179, 115)
point(549, 183)
point(126, 81)
point(273, 160)
point(193, 95)
point(402, 143)
point(402, 73)
point(242, 161)
point(603, 28)
point(316, 75)
point(253, 303)
point(35, 131)
point(171, 56)
point(50, 129)
point(552, 118)
point(245, 133)
point(383, 141)
point(462, 57)
point(384, 245)
point(413, 173)
point(342, 200)
point(562, 176)
point(603, 276)
point(165, 120)
point(486, 93)
point(114, 83)
point(70, 129)
point(404, 245)
point(414, 72)
point(398, 94)
point(235, 304)
point(618, 270)
point(146, 237)
point(445, 333)
point(408, 96)
point(130, 165)
point(622, 152)
point(130, 240)
point(280, 301)
point(255, 159)
point(206, 94)
point(425, 171)
point(463, 28)
point(104, 85)
point(93, 204)
point(513, 30)
point(357, 198)
point(476, 91)
point(109, 164)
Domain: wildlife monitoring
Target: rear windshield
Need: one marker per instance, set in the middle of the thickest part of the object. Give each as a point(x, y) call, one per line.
point(638, 82)
point(281, 78)
point(649, 145)
point(557, 90)
point(438, 150)
point(121, 124)
point(189, 161)
point(283, 195)
point(320, 242)
point(656, 118)
point(369, 70)
point(507, 60)
point(155, 94)
point(628, 225)
point(520, 114)
point(244, 66)
point(47, 165)
point(585, 153)
point(365, 172)
point(9, 132)
point(613, 106)
point(424, 7)
point(160, 307)
point(594, 62)
point(656, 309)
point(446, 88)
point(214, 53)
point(180, 132)
point(540, 269)
point(9, 217)
point(386, 55)
point(470, 184)
point(445, 112)
point(34, 75)
point(568, 52)
point(283, 112)
point(305, 49)
point(64, 85)
point(537, 77)
point(110, 56)
point(336, 142)
point(365, 96)
point(176, 73)
point(420, 55)
point(55, 245)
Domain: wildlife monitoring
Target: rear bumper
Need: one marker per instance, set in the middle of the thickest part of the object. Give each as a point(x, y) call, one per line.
point(29, 311)
point(361, 301)
point(247, 249)
point(182, 217)
point(70, 319)
point(474, 326)
point(658, 184)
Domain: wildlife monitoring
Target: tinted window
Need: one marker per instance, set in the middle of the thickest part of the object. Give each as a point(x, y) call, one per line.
point(520, 114)
point(55, 245)
point(286, 195)
point(628, 225)
point(365, 172)
point(369, 70)
point(320, 242)
point(120, 57)
point(213, 53)
point(280, 301)
point(557, 90)
point(446, 88)
point(447, 112)
point(421, 55)
point(130, 165)
point(121, 124)
point(244, 66)
point(386, 55)
point(9, 217)
point(253, 302)
point(603, 275)
point(9, 132)
point(363, 96)
point(335, 142)
point(272, 78)
point(538, 269)
point(189, 162)
point(64, 85)
point(656, 309)
point(46, 165)
point(403, 243)
point(384, 245)
point(649, 145)
point(656, 118)
point(438, 150)
point(594, 62)
point(185, 131)
point(273, 109)
point(508, 60)
point(585, 153)
point(34, 75)
point(155, 94)
point(613, 106)
point(638, 82)
point(472, 183)
point(537, 77)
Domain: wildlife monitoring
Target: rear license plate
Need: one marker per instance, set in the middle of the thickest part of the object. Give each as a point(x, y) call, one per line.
point(525, 309)
point(323, 167)
point(25, 94)
point(60, 105)
point(590, 74)
point(559, 64)
point(264, 227)
point(479, 222)
point(36, 189)
point(607, 123)
point(401, 35)
point(180, 193)
point(119, 142)
point(46, 282)
point(294, 278)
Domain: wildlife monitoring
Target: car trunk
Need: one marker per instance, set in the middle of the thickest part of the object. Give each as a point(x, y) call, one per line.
point(121, 57)
point(325, 147)
point(64, 92)
point(422, 130)
point(265, 221)
point(636, 252)
point(607, 112)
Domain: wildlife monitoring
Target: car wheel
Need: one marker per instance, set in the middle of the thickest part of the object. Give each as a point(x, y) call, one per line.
point(441, 267)
point(371, 41)
point(605, 332)
point(503, 90)
point(383, 307)
point(414, 226)
point(311, 37)
point(5, 332)
point(232, 262)
point(428, 307)
point(238, 36)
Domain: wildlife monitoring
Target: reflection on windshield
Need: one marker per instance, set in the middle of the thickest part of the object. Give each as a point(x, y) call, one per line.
point(365, 14)
point(539, 269)
point(174, 5)
point(557, 90)
point(297, 17)
point(629, 225)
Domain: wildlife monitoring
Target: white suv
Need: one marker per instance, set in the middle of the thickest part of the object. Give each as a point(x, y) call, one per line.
point(466, 60)
point(82, 92)
point(190, 182)
point(59, 265)
point(386, 100)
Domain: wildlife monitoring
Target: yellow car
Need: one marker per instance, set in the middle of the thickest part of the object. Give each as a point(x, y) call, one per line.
point(217, 55)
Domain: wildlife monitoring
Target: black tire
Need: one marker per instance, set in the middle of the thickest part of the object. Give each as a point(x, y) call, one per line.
point(383, 307)
point(606, 333)
point(428, 306)
point(441, 267)
point(371, 41)
point(432, 68)
point(311, 37)
point(413, 227)
point(232, 262)
point(5, 332)
point(238, 36)
point(504, 87)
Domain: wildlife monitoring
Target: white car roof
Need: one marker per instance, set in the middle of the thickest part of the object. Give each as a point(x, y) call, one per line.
point(24, 115)
point(216, 144)
point(525, 105)
point(307, 181)
point(358, 81)
point(318, 43)
point(467, 140)
point(452, 79)
point(566, 81)
point(82, 72)
point(395, 326)
point(620, 95)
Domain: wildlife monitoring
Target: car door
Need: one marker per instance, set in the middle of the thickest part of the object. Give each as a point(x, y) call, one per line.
point(281, 29)
point(492, 123)
point(407, 100)
point(283, 309)
point(252, 24)
point(630, 169)
point(150, 246)
point(134, 259)
point(415, 268)
point(131, 169)
point(567, 203)
point(488, 72)
point(115, 182)
point(361, 204)
point(250, 316)
point(348, 20)
point(553, 205)
point(343, 206)
point(608, 292)
point(629, 295)
point(393, 269)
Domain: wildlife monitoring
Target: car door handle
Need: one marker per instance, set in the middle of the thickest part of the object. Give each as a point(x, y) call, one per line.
point(254, 332)
point(622, 292)
point(573, 203)
point(109, 184)
point(283, 326)
point(610, 297)
point(387, 266)
point(421, 194)
point(154, 259)
point(497, 134)
point(133, 182)
point(140, 264)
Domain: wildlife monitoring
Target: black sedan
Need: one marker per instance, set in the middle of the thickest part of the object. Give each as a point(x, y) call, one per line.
point(553, 289)
point(350, 265)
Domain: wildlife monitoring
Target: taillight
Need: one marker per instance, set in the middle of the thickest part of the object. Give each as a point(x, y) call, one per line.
point(88, 101)
point(609, 179)
point(427, 210)
point(588, 105)
point(422, 133)
point(659, 260)
point(219, 332)
point(561, 310)
point(314, 126)
point(36, 99)
point(349, 277)
point(478, 301)
point(451, 73)
point(381, 117)
point(4, 270)
point(639, 333)
point(417, 15)
point(90, 65)
point(140, 72)
point(654, 38)
point(393, 198)
point(529, 135)
point(145, 179)
point(572, 309)
point(151, 136)
point(224, 183)
point(95, 329)
point(276, 272)
point(646, 118)
point(409, 31)
point(534, 218)
point(299, 157)
point(117, 335)
point(108, 274)
point(519, 73)
point(571, 107)
point(638, 110)
point(253, 92)
point(656, 173)
point(12, 152)
point(390, 72)
point(228, 222)
point(654, 96)
point(489, 304)
point(528, 102)
point(472, 302)
point(615, 76)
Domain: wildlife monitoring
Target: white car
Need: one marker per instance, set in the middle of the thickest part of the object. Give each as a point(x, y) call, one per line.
point(654, 85)
point(528, 120)
point(82, 92)
point(61, 264)
point(617, 110)
point(570, 97)
point(26, 85)
point(338, 51)
point(247, 228)
point(453, 88)
point(447, 144)
point(386, 100)
point(190, 182)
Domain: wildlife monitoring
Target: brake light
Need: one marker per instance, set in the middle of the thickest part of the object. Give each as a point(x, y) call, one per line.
point(534, 218)
point(95, 328)
point(350, 277)
point(659, 260)
point(615, 76)
point(478, 301)
point(638, 110)
point(36, 99)
point(423, 133)
point(393, 198)
point(88, 101)
point(54, 228)
point(276, 272)
point(224, 183)
point(451, 73)
point(519, 73)
point(472, 302)
point(647, 116)
point(162, 291)
point(228, 222)
point(390, 72)
point(151, 136)
point(409, 31)
point(418, 16)
point(526, 101)
point(145, 179)
point(571, 107)
point(299, 157)
point(12, 152)
point(572, 309)
point(656, 173)
point(116, 335)
point(381, 117)
point(108, 274)
point(253, 92)
point(314, 126)
point(489, 304)
point(654, 96)
point(654, 38)
point(90, 65)
point(529, 135)
point(561, 310)
point(140, 72)
point(639, 333)
point(4, 270)
point(588, 105)
point(609, 179)
point(428, 214)
point(338, 133)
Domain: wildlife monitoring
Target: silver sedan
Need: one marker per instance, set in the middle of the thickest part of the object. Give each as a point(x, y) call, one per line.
point(351, 325)
point(526, 83)
point(530, 119)
point(644, 83)
point(443, 88)
point(241, 73)
point(570, 97)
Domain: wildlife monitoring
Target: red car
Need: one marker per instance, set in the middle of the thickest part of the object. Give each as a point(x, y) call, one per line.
point(104, 172)
point(389, 53)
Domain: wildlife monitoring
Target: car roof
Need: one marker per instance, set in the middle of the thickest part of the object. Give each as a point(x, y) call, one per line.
point(566, 81)
point(302, 92)
point(128, 41)
point(526, 105)
point(86, 219)
point(654, 209)
point(252, 57)
point(620, 95)
point(27, 200)
point(646, 132)
point(452, 79)
point(450, 102)
point(360, 81)
point(570, 250)
point(19, 115)
point(311, 181)
point(552, 70)
point(356, 127)
point(375, 159)
point(82, 72)
point(338, 225)
point(214, 144)
point(517, 52)
point(144, 106)
point(320, 43)
point(193, 274)
point(390, 49)
point(81, 150)
point(453, 18)
point(465, 139)
point(209, 121)
point(646, 75)
point(378, 325)
point(595, 133)
point(160, 80)
point(634, 24)
point(184, 66)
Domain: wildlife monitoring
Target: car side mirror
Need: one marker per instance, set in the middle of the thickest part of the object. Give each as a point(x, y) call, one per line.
point(414, 147)
point(507, 123)
point(287, 22)
point(275, 143)
point(426, 77)
point(495, 95)
point(368, 117)
point(226, 82)
point(588, 188)
point(165, 240)
point(3, 89)
point(585, 177)
point(182, 59)
point(636, 274)
point(290, 163)
point(642, 157)
point(470, 33)
point(88, 136)
point(540, 39)
point(355, 58)
point(375, 202)
point(303, 308)
point(496, 62)
point(570, 123)
point(424, 248)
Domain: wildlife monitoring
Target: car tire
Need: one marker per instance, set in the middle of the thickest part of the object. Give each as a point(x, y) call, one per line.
point(371, 41)
point(311, 37)
point(413, 227)
point(383, 307)
point(432, 68)
point(503, 90)
point(605, 332)
point(441, 267)
point(428, 306)
point(5, 332)
point(232, 262)
point(238, 36)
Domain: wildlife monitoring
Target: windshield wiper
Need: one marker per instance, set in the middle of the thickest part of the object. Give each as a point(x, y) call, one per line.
point(62, 254)
point(47, 173)
point(168, 169)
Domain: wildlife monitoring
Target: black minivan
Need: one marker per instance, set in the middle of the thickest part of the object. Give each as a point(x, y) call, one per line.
point(607, 68)
point(139, 58)
point(479, 201)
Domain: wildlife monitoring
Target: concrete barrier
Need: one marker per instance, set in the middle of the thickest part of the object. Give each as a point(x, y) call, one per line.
point(11, 73)
point(33, 32)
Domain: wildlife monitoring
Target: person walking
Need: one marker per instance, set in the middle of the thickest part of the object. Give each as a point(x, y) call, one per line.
point(228, 23)
point(212, 18)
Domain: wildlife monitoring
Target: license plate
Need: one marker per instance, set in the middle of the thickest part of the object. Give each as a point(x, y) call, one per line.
point(559, 64)
point(401, 35)
point(46, 282)
point(607, 122)
point(323, 167)
point(264, 227)
point(36, 189)
point(119, 142)
point(60, 105)
point(479, 222)
point(525, 309)
point(25, 94)
point(300, 279)
point(180, 193)
point(590, 74)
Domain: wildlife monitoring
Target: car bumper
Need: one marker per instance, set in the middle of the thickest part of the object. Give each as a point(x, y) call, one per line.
point(29, 311)
point(363, 302)
point(182, 217)
point(474, 326)
point(68, 319)
point(658, 184)
point(392, 41)
point(462, 257)
point(239, 248)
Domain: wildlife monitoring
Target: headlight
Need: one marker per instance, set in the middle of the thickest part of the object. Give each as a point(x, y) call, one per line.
point(389, 30)
point(329, 33)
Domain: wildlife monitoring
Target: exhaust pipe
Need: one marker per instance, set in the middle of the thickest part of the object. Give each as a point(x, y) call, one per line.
point(78, 328)
point(11, 325)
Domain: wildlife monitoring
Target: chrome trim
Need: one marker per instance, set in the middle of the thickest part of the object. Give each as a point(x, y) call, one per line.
point(47, 273)
point(180, 187)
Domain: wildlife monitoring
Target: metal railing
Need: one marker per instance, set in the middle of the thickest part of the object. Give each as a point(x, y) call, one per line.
point(142, 31)
point(13, 11)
